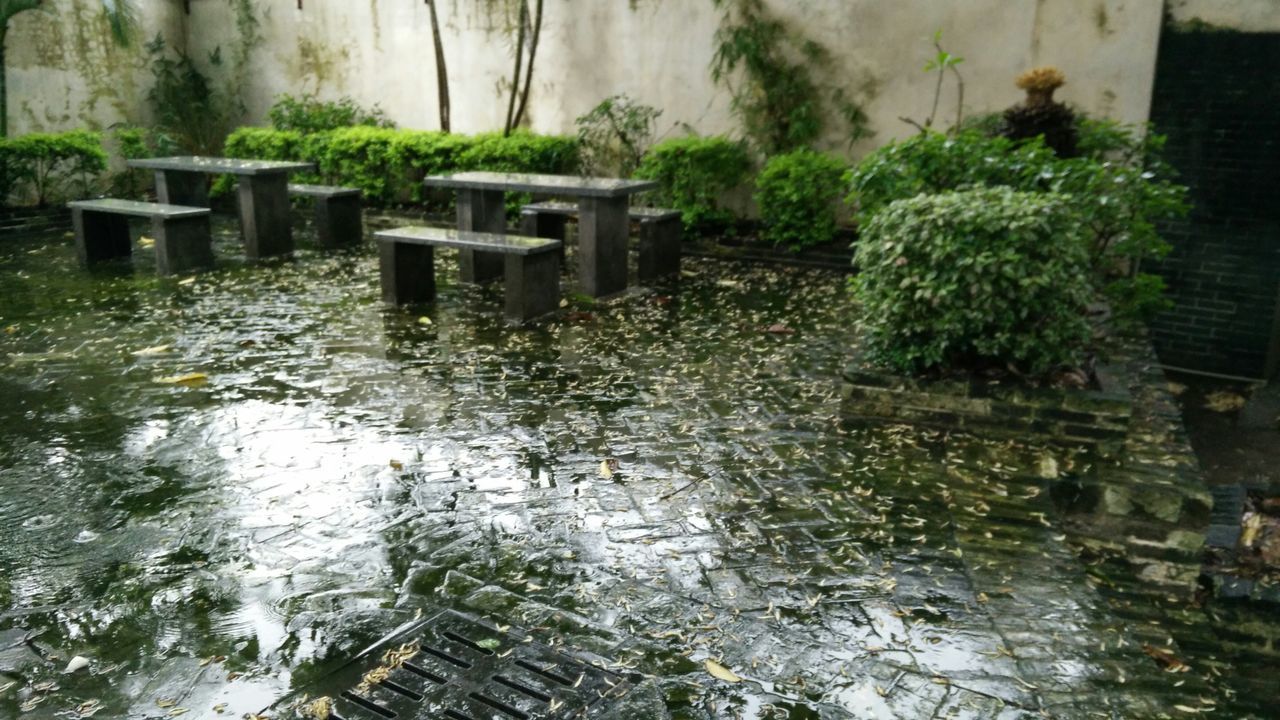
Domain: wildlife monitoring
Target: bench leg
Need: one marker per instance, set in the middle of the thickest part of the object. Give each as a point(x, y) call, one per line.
point(544, 225)
point(481, 211)
point(176, 187)
point(532, 285)
point(100, 236)
point(264, 215)
point(659, 248)
point(603, 227)
point(408, 273)
point(182, 244)
point(338, 221)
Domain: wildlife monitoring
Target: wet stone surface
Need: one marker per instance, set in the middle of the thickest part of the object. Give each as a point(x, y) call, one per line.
point(220, 489)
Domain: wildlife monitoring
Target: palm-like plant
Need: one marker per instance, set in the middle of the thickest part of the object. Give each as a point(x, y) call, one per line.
point(121, 19)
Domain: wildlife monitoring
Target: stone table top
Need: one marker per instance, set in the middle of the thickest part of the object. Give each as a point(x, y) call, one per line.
point(233, 166)
point(140, 209)
point(485, 242)
point(574, 185)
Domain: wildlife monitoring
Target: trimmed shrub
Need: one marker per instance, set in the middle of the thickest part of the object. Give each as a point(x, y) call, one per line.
point(309, 114)
point(797, 194)
point(694, 173)
point(1121, 189)
point(982, 277)
point(47, 167)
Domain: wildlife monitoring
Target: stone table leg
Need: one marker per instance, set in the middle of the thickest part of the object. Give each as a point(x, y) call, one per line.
point(481, 211)
point(532, 285)
point(544, 225)
point(264, 215)
point(659, 248)
point(101, 236)
point(603, 227)
point(408, 272)
point(338, 221)
point(182, 244)
point(178, 187)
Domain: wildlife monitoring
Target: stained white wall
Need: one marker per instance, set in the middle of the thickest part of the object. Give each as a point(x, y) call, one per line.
point(65, 71)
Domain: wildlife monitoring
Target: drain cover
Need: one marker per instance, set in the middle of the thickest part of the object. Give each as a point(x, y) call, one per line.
point(456, 667)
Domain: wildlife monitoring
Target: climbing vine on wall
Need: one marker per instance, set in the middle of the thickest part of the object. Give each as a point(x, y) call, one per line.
point(770, 72)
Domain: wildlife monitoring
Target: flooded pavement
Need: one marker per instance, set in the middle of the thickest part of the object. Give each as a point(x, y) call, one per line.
point(218, 489)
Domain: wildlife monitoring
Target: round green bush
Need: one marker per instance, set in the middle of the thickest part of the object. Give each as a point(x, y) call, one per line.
point(975, 278)
point(797, 193)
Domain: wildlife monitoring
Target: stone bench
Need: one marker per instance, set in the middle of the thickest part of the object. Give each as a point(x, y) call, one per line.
point(338, 220)
point(183, 239)
point(660, 233)
point(532, 266)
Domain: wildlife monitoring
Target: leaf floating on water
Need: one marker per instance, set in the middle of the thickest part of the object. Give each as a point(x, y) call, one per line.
point(607, 467)
point(1166, 659)
point(78, 662)
point(424, 320)
point(186, 281)
point(189, 380)
point(153, 350)
point(488, 643)
point(721, 672)
point(87, 709)
point(396, 465)
point(166, 703)
point(146, 242)
point(319, 709)
point(780, 329)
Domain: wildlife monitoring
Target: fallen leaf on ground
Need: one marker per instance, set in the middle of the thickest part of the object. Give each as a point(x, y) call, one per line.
point(145, 241)
point(1224, 402)
point(153, 350)
point(424, 320)
point(1176, 388)
point(607, 467)
point(721, 672)
point(1165, 658)
point(1251, 528)
point(396, 465)
point(189, 380)
point(186, 281)
point(780, 329)
point(77, 663)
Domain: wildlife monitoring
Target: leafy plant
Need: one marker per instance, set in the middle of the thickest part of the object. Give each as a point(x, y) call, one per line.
point(43, 167)
point(981, 277)
point(779, 102)
point(614, 136)
point(940, 64)
point(132, 143)
point(308, 114)
point(186, 104)
point(1040, 115)
point(797, 194)
point(694, 172)
point(1120, 191)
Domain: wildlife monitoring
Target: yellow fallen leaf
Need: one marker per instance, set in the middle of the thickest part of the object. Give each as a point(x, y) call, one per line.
point(424, 320)
point(189, 380)
point(166, 702)
point(721, 672)
point(153, 350)
point(11, 330)
point(186, 281)
point(145, 241)
point(605, 470)
point(1224, 402)
point(1252, 527)
point(397, 465)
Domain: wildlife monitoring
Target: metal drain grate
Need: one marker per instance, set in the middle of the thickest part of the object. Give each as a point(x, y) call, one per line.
point(464, 669)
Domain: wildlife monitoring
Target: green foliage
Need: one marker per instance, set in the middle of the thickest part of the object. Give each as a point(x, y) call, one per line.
point(1120, 191)
point(779, 102)
point(187, 106)
point(132, 143)
point(797, 194)
point(44, 167)
point(308, 114)
point(981, 277)
point(694, 172)
point(932, 162)
point(388, 164)
point(614, 136)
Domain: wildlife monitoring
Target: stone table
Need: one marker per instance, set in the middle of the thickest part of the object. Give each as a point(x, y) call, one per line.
point(262, 190)
point(603, 223)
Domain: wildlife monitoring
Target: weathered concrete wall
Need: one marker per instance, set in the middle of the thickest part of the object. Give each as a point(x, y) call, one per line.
point(659, 52)
point(66, 72)
point(1243, 15)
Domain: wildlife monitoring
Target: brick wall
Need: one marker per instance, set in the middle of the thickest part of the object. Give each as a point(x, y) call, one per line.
point(1217, 98)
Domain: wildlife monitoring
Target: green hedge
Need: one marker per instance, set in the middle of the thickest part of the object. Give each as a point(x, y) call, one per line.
point(798, 194)
point(388, 164)
point(694, 173)
point(47, 167)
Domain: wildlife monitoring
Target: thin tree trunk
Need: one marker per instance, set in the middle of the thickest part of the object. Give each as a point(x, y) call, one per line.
point(515, 76)
point(533, 53)
point(442, 73)
point(4, 89)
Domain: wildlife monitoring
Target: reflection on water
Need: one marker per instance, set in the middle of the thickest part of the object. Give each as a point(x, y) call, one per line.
point(216, 544)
